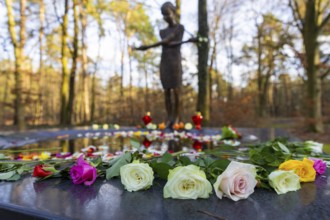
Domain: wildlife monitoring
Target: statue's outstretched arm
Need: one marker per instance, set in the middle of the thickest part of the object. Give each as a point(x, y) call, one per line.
point(168, 40)
point(177, 43)
point(146, 47)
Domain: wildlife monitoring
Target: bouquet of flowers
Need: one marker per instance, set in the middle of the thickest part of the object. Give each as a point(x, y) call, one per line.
point(277, 164)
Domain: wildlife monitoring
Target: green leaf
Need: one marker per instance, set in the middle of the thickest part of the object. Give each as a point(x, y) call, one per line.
point(264, 185)
point(268, 157)
point(7, 175)
point(114, 170)
point(184, 160)
point(200, 162)
point(161, 169)
point(227, 133)
point(283, 147)
point(7, 167)
point(167, 157)
point(15, 177)
point(25, 168)
point(171, 163)
point(96, 162)
point(208, 161)
point(275, 163)
point(135, 143)
point(50, 169)
point(220, 164)
point(2, 157)
point(113, 161)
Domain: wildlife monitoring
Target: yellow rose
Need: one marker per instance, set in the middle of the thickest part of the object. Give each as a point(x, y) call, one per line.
point(304, 169)
point(44, 156)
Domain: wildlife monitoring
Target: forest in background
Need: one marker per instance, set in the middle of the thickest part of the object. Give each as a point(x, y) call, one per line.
point(63, 87)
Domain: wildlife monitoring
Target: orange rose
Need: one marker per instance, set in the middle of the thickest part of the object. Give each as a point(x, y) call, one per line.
point(162, 126)
point(304, 169)
point(176, 126)
point(181, 125)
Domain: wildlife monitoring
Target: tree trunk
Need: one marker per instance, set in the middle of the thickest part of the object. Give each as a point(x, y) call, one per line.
point(314, 97)
point(260, 78)
point(93, 97)
point(311, 24)
point(130, 85)
point(65, 70)
point(121, 101)
point(86, 107)
point(39, 104)
point(178, 10)
point(203, 103)
point(74, 62)
point(19, 116)
point(213, 60)
point(146, 95)
point(5, 96)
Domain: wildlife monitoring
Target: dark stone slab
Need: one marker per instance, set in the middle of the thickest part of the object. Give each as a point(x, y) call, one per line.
point(60, 199)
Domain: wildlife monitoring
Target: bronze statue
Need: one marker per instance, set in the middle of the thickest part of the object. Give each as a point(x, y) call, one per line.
point(170, 65)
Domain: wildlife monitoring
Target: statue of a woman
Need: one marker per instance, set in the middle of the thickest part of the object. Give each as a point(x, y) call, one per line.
point(170, 65)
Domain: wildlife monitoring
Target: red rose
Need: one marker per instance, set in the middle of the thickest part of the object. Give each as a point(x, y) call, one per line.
point(197, 119)
point(197, 145)
point(147, 119)
point(146, 143)
point(40, 172)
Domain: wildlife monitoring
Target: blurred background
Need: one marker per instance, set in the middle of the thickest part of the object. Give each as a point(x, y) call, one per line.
point(259, 63)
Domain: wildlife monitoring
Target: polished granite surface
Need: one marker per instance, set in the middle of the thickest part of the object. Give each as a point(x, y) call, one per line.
point(60, 199)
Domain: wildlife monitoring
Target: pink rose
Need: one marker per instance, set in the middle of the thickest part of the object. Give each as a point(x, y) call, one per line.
point(236, 182)
point(83, 172)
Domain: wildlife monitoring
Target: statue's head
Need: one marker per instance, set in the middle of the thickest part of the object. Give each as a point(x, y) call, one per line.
point(169, 12)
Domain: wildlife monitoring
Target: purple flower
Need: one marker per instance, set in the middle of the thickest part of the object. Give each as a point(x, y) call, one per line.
point(319, 166)
point(82, 172)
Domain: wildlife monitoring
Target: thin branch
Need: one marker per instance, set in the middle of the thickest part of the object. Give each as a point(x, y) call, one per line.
point(325, 73)
point(325, 65)
point(297, 10)
point(325, 7)
point(325, 21)
point(211, 215)
point(327, 59)
point(56, 13)
point(296, 15)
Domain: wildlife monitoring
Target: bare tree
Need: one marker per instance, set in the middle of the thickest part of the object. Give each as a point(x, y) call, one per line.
point(65, 71)
point(203, 103)
point(19, 115)
point(74, 62)
point(311, 16)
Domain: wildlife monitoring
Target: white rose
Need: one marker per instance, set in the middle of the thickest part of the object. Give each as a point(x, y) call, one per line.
point(314, 146)
point(151, 126)
point(188, 182)
point(236, 182)
point(284, 181)
point(136, 176)
point(188, 126)
point(95, 126)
